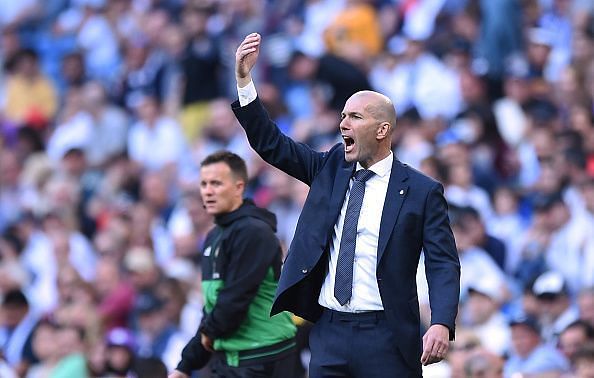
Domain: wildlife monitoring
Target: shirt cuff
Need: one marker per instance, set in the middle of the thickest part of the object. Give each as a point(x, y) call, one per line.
point(247, 94)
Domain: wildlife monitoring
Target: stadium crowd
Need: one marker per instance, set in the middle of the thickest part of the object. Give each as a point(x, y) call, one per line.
point(107, 108)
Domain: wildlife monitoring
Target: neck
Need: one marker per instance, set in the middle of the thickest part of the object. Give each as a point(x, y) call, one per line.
point(379, 157)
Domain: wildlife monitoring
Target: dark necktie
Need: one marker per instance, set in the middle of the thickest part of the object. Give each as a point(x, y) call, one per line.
point(343, 284)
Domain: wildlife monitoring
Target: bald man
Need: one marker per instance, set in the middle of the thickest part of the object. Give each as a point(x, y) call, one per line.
point(351, 267)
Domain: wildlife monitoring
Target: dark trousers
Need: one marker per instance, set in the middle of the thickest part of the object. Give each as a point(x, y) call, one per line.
point(283, 367)
point(355, 345)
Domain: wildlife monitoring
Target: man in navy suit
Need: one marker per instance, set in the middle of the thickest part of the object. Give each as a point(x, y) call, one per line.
point(351, 267)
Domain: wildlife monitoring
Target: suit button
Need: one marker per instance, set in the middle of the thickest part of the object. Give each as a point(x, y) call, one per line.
point(304, 270)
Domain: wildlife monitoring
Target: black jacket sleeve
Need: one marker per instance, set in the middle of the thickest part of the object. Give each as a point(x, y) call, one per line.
point(193, 356)
point(252, 251)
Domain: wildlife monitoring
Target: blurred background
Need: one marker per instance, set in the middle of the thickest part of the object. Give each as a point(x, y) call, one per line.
point(107, 108)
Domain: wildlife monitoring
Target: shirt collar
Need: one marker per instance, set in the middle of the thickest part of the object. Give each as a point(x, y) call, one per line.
point(382, 167)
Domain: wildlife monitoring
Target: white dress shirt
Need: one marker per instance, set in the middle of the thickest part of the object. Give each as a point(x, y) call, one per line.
point(365, 294)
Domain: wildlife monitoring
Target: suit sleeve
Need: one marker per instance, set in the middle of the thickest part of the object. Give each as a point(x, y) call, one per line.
point(442, 265)
point(252, 253)
point(277, 149)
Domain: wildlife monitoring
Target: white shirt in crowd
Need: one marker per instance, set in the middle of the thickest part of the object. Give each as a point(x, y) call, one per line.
point(154, 147)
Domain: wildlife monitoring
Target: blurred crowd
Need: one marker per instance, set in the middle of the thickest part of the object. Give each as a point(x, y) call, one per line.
point(107, 108)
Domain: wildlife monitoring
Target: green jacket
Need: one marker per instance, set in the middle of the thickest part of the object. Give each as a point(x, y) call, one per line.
point(241, 266)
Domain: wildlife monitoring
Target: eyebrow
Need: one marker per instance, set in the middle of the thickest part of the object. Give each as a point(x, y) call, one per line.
point(351, 113)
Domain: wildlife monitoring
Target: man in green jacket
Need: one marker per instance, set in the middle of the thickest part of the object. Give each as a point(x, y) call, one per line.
point(241, 266)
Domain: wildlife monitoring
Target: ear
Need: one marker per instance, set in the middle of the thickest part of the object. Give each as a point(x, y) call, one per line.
point(383, 130)
point(240, 185)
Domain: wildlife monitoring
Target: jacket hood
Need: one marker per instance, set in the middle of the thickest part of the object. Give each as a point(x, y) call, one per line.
point(247, 209)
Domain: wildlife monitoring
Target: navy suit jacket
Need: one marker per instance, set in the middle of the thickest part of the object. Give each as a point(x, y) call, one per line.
point(414, 217)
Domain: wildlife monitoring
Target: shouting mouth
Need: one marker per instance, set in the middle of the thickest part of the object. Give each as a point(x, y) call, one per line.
point(349, 143)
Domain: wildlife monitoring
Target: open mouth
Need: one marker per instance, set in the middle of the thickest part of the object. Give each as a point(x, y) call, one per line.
point(349, 143)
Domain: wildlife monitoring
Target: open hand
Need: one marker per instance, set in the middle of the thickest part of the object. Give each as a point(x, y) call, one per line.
point(246, 57)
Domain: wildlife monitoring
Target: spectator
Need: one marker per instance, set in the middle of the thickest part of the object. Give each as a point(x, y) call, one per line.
point(569, 236)
point(476, 228)
point(43, 345)
point(155, 335)
point(116, 295)
point(412, 82)
point(354, 31)
point(482, 313)
point(30, 95)
point(74, 128)
point(530, 355)
point(476, 264)
point(574, 337)
point(16, 330)
point(482, 364)
point(507, 224)
point(120, 352)
point(10, 170)
point(461, 190)
point(143, 270)
point(155, 141)
point(586, 305)
point(342, 76)
point(201, 63)
point(110, 125)
point(583, 361)
point(555, 310)
point(509, 114)
point(70, 346)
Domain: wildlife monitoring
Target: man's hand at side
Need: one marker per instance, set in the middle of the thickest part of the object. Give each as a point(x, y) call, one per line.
point(206, 342)
point(435, 344)
point(177, 374)
point(245, 58)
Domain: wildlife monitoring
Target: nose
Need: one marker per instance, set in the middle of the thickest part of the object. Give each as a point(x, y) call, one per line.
point(206, 190)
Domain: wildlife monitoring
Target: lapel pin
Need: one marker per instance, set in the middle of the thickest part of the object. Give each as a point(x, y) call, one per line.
point(401, 192)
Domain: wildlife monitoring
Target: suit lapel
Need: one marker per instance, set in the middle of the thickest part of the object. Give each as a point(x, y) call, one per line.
point(341, 184)
point(397, 191)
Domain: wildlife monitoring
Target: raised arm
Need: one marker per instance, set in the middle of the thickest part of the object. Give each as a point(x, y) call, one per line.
point(295, 159)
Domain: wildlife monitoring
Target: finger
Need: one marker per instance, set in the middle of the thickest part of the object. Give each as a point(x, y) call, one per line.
point(441, 348)
point(427, 347)
point(247, 49)
point(435, 349)
point(242, 54)
point(249, 44)
point(250, 39)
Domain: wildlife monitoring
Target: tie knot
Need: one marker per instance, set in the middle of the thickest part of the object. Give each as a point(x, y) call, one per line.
point(363, 175)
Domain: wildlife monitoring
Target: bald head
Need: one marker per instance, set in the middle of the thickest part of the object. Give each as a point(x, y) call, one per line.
point(379, 106)
point(366, 125)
